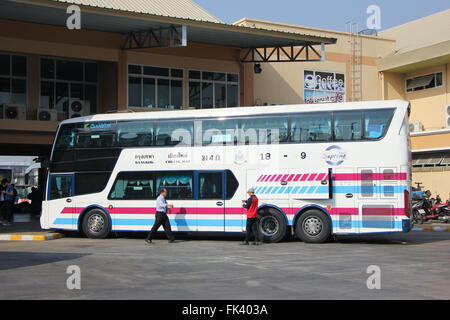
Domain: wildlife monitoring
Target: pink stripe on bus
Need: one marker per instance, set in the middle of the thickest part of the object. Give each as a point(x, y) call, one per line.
point(290, 177)
point(278, 177)
point(297, 177)
point(273, 177)
point(312, 176)
point(320, 176)
point(375, 176)
point(304, 177)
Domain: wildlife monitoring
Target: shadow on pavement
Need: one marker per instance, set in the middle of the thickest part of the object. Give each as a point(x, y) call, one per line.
point(12, 260)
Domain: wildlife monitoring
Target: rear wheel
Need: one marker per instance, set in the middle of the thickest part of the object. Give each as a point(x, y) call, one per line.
point(272, 225)
point(96, 224)
point(313, 226)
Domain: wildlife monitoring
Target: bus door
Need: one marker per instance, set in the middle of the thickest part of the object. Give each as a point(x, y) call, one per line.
point(344, 209)
point(211, 200)
point(60, 191)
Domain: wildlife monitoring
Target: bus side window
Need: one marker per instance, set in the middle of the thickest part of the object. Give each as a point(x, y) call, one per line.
point(347, 126)
point(174, 133)
point(311, 127)
point(376, 123)
point(232, 184)
point(218, 132)
point(66, 136)
point(133, 186)
point(264, 130)
point(61, 187)
point(178, 184)
point(210, 186)
point(135, 134)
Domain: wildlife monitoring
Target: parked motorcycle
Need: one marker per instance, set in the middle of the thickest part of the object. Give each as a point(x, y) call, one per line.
point(428, 210)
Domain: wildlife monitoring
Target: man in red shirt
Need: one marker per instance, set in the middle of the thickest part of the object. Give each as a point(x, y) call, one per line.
point(252, 217)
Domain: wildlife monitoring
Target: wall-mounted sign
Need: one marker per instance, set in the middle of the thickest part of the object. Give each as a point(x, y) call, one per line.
point(321, 87)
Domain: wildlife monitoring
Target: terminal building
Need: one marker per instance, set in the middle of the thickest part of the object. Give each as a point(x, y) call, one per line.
point(174, 55)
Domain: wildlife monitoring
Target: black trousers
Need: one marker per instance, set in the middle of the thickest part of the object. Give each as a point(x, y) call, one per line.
point(7, 210)
point(161, 218)
point(252, 229)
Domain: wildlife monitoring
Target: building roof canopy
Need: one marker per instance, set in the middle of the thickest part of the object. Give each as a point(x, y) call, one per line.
point(53, 12)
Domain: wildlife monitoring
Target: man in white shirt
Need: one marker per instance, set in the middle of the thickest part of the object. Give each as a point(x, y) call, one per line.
point(161, 217)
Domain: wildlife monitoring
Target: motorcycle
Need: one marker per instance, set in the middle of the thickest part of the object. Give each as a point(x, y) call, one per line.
point(434, 209)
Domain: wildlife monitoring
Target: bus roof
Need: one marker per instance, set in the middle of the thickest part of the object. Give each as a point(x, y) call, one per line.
point(239, 111)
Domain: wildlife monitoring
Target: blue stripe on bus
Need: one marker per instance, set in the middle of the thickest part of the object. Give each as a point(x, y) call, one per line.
point(275, 190)
point(281, 190)
point(288, 190)
point(63, 221)
point(303, 190)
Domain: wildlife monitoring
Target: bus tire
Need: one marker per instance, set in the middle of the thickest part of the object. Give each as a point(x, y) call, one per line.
point(313, 226)
point(271, 225)
point(96, 224)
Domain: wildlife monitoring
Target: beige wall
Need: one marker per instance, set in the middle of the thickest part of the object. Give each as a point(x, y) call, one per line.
point(428, 106)
point(282, 82)
point(434, 179)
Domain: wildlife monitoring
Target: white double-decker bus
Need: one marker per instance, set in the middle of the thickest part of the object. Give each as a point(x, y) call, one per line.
point(318, 170)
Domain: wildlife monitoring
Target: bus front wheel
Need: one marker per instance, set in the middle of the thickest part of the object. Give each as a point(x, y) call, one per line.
point(313, 226)
point(272, 225)
point(96, 224)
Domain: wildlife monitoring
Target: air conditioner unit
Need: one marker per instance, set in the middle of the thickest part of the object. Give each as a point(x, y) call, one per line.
point(47, 114)
point(416, 127)
point(78, 108)
point(14, 111)
point(447, 116)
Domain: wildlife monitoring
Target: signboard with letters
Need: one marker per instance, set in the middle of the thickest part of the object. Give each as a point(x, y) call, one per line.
point(323, 87)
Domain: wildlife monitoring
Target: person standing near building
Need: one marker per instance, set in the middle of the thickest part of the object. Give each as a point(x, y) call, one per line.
point(161, 217)
point(8, 203)
point(251, 204)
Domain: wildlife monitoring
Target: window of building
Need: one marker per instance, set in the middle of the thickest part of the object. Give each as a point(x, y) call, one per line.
point(155, 87)
point(13, 81)
point(213, 89)
point(424, 82)
point(63, 80)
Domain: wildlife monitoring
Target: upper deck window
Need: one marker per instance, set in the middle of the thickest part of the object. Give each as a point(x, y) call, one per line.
point(311, 127)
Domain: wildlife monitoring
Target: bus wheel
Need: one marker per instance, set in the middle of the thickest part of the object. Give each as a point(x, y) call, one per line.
point(272, 225)
point(96, 224)
point(313, 226)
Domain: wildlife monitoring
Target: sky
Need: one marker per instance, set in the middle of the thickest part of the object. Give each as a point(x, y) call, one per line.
point(326, 14)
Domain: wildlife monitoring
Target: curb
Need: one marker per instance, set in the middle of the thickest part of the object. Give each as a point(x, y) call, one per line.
point(30, 237)
point(431, 228)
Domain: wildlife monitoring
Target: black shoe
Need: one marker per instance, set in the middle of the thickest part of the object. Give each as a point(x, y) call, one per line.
point(149, 241)
point(172, 241)
point(256, 243)
point(245, 243)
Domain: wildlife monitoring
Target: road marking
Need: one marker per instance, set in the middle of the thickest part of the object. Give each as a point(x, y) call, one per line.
point(30, 237)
